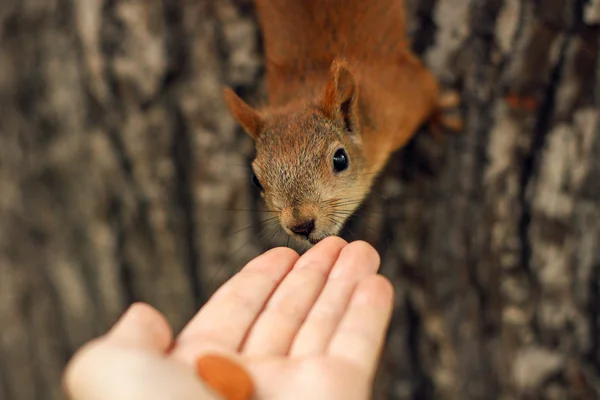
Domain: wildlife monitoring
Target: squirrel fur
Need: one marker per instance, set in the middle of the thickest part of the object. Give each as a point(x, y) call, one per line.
point(342, 85)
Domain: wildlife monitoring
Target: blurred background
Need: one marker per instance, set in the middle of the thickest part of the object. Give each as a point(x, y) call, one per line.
point(123, 178)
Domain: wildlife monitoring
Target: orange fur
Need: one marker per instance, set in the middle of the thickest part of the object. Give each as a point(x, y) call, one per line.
point(246, 116)
point(339, 73)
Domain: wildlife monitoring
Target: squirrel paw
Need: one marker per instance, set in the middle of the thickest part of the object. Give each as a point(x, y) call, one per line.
point(449, 99)
point(446, 118)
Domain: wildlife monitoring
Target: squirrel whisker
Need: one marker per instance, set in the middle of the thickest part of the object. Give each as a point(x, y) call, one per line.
point(345, 91)
point(260, 223)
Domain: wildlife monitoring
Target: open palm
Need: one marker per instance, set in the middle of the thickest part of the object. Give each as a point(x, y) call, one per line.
point(309, 327)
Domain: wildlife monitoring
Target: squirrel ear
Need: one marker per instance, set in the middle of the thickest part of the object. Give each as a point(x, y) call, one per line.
point(245, 115)
point(341, 93)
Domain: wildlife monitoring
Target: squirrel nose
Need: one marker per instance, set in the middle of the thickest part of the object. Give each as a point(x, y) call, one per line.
point(304, 228)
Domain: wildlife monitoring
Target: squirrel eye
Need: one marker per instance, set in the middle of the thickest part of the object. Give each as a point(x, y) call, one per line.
point(340, 160)
point(256, 182)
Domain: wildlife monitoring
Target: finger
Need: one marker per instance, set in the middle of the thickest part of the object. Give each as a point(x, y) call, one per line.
point(131, 359)
point(360, 336)
point(142, 326)
point(224, 320)
point(356, 261)
point(285, 312)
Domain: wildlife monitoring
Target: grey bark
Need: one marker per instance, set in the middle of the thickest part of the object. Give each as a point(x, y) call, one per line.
point(124, 178)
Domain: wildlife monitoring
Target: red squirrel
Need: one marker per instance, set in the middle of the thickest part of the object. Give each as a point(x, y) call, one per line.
point(344, 92)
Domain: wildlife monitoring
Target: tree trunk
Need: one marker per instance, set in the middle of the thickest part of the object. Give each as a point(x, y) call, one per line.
point(120, 167)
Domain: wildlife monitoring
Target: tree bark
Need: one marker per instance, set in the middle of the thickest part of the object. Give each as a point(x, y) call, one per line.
point(124, 178)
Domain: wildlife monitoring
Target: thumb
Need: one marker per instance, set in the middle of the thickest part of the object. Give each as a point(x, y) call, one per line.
point(129, 362)
point(142, 326)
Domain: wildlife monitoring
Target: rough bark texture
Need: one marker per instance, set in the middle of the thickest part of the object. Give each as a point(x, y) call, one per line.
point(123, 177)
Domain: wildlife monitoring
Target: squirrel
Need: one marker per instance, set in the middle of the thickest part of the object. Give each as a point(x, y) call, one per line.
point(344, 92)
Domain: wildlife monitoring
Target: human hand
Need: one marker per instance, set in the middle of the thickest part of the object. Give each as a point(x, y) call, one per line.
point(308, 328)
point(132, 362)
point(303, 328)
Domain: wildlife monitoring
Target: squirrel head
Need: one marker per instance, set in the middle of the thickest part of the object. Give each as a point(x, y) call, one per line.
point(309, 164)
